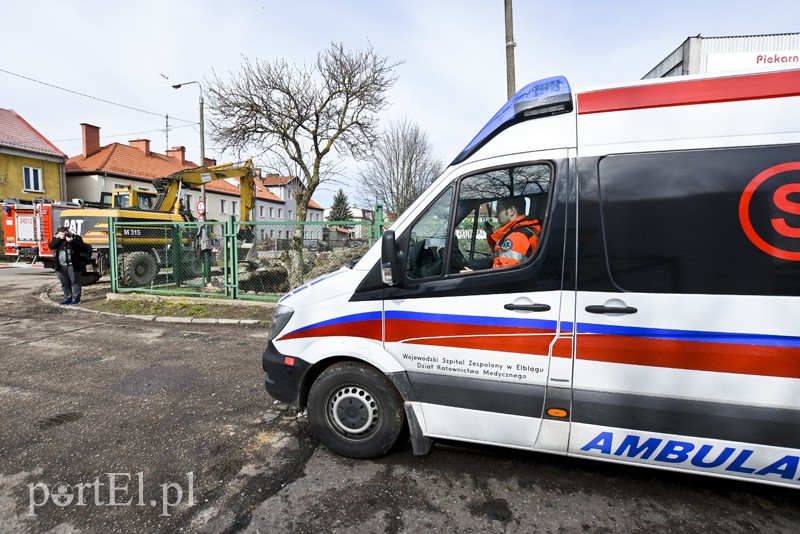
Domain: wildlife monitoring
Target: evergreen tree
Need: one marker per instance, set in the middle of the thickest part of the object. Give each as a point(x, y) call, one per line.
point(340, 209)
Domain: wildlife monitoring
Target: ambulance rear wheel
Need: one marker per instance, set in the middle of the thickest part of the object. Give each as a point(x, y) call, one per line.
point(355, 411)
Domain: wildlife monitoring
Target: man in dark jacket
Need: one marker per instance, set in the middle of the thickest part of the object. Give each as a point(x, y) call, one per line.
point(68, 264)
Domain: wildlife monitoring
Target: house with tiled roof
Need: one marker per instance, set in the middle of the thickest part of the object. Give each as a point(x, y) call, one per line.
point(30, 165)
point(101, 169)
point(286, 188)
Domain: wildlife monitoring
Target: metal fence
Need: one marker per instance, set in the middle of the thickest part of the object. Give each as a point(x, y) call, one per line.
point(245, 260)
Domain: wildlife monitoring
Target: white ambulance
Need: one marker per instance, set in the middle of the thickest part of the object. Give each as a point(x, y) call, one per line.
point(655, 319)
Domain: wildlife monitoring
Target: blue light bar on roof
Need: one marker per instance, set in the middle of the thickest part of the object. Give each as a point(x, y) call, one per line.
point(545, 97)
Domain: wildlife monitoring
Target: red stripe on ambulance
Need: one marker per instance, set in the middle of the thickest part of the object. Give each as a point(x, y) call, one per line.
point(761, 360)
point(684, 93)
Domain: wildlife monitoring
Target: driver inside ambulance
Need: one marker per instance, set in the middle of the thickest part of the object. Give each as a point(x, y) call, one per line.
point(517, 237)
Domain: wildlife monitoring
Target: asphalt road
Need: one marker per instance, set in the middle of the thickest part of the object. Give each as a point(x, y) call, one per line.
point(110, 424)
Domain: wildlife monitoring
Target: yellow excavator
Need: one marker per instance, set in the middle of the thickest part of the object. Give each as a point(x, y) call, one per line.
point(141, 252)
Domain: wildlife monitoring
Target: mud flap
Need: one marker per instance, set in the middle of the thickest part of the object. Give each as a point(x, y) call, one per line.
point(419, 443)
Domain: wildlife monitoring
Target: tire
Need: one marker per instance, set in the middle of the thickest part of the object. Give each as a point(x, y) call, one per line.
point(355, 411)
point(138, 269)
point(90, 277)
point(192, 266)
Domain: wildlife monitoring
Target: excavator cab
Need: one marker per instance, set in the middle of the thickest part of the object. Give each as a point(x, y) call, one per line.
point(129, 198)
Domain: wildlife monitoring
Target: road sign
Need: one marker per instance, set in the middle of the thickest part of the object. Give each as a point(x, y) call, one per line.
point(201, 207)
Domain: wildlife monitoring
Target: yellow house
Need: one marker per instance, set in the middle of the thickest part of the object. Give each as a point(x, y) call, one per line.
point(30, 165)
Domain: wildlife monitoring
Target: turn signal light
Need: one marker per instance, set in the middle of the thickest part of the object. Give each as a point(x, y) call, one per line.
point(557, 412)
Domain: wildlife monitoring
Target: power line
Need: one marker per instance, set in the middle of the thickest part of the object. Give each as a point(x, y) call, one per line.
point(90, 96)
point(125, 134)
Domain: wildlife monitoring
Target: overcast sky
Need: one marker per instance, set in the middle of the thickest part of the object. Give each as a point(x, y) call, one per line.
point(451, 82)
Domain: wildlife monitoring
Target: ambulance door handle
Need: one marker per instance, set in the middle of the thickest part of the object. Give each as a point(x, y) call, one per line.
point(528, 307)
point(610, 309)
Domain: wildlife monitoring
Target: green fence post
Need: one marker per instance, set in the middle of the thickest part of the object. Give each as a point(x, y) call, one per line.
point(302, 261)
point(112, 255)
point(231, 259)
point(226, 257)
point(235, 257)
point(177, 253)
point(377, 229)
point(205, 253)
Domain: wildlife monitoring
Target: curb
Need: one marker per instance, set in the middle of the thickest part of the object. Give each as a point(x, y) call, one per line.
point(45, 297)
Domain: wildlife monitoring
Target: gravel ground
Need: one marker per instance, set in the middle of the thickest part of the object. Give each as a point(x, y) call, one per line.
point(175, 416)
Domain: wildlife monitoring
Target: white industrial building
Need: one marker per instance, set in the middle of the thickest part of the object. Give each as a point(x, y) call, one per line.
point(701, 55)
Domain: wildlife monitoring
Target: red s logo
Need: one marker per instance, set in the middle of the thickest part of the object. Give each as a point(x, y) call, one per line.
point(782, 202)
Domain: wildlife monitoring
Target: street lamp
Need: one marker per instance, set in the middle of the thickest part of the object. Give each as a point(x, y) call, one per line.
point(202, 133)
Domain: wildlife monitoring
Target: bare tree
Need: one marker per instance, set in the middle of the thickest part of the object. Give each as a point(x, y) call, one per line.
point(303, 119)
point(401, 166)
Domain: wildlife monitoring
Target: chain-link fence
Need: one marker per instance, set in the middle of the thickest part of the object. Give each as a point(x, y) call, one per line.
point(166, 257)
point(257, 260)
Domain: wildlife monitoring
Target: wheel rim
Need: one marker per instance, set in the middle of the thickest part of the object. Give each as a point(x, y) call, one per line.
point(354, 411)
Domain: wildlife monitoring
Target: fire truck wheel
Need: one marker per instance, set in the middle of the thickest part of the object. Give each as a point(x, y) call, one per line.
point(355, 410)
point(138, 269)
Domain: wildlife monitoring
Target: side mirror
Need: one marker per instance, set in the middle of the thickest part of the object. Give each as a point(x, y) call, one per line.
point(390, 266)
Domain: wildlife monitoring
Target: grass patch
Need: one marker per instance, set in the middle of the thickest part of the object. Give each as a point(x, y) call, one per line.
point(176, 309)
point(145, 307)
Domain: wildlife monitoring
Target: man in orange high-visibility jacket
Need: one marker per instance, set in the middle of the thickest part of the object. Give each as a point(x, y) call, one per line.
point(518, 236)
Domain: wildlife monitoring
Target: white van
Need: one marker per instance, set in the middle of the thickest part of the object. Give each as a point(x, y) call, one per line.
point(654, 319)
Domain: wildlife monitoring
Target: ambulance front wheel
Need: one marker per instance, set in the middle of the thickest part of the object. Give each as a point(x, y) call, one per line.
point(355, 411)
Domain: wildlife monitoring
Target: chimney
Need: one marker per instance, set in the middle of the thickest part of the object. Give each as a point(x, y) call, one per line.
point(209, 162)
point(91, 139)
point(178, 153)
point(141, 144)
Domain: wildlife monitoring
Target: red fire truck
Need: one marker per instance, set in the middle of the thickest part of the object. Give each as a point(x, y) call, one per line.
point(28, 227)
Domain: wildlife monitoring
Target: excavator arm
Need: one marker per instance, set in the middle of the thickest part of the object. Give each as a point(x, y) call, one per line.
point(169, 188)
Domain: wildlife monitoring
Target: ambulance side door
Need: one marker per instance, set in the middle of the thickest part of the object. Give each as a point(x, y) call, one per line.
point(476, 341)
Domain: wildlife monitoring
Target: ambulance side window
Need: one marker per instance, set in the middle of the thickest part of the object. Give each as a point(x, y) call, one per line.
point(673, 221)
point(429, 238)
point(484, 221)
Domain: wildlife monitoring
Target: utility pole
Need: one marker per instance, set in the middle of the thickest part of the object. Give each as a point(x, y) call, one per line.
point(202, 134)
point(511, 83)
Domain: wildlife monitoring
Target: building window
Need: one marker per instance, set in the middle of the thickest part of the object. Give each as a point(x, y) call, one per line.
point(271, 213)
point(677, 70)
point(33, 179)
point(272, 233)
point(261, 211)
point(189, 203)
point(290, 215)
point(280, 213)
point(233, 206)
point(222, 205)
